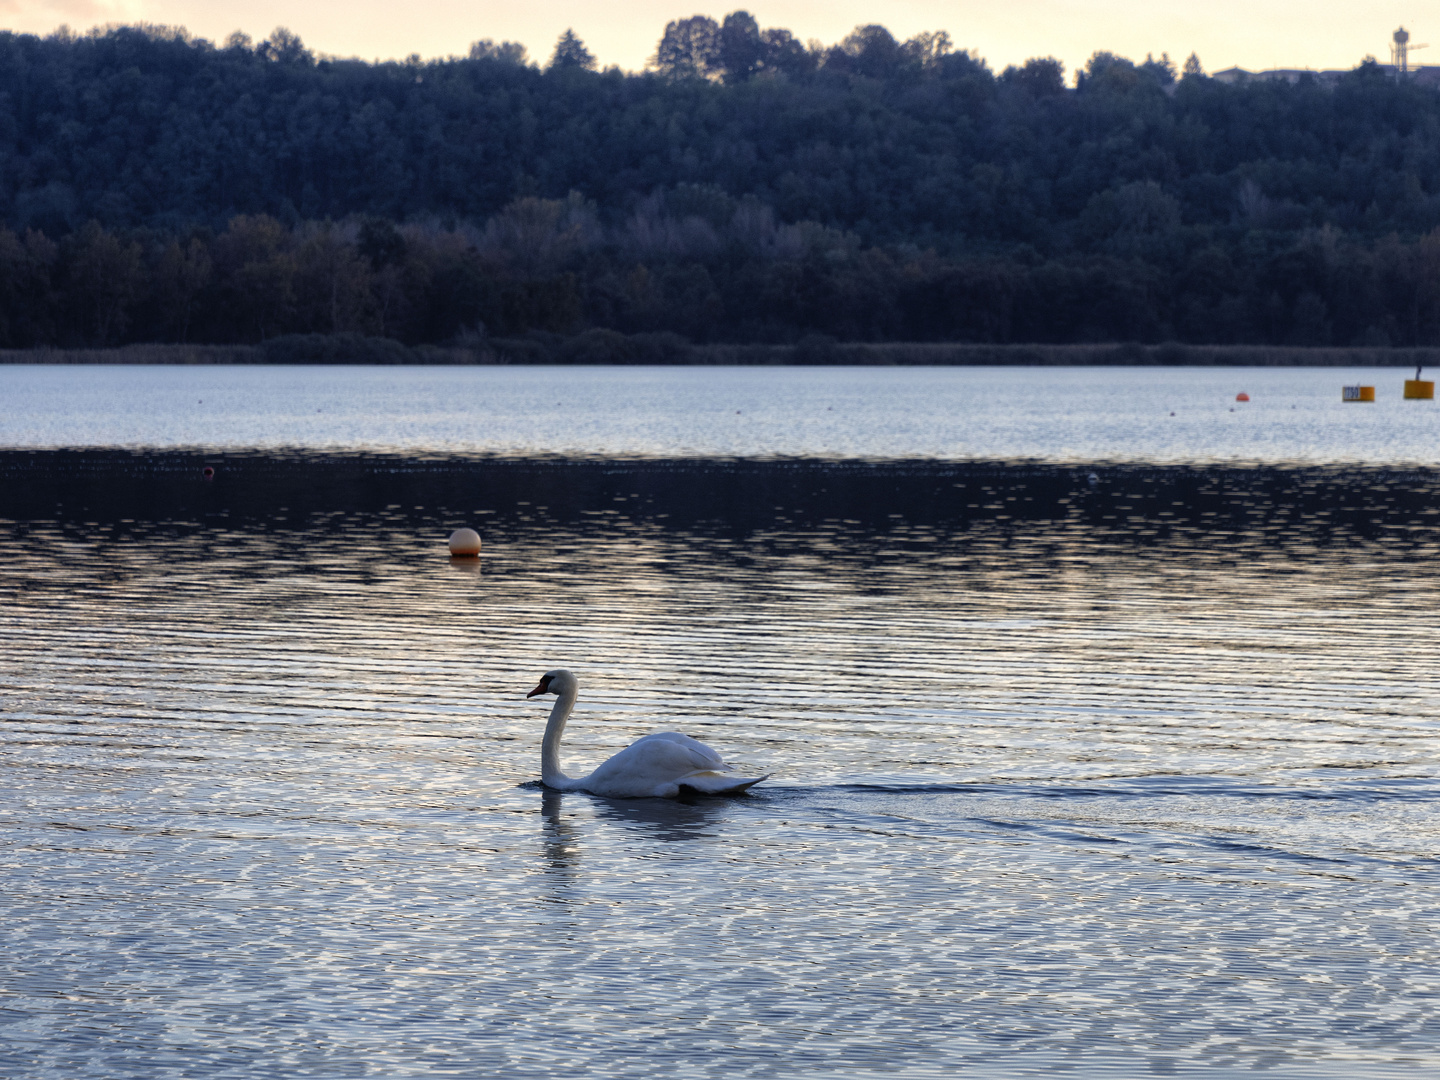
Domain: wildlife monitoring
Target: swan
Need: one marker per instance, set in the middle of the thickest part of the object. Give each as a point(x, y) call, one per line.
point(657, 766)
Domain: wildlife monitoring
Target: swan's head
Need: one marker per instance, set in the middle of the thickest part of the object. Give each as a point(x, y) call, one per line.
point(553, 682)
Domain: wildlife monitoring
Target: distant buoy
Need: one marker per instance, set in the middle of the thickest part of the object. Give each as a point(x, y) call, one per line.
point(1357, 393)
point(1242, 397)
point(1092, 480)
point(465, 542)
point(1419, 390)
point(208, 473)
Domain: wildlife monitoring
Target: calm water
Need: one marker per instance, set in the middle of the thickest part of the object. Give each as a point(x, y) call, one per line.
point(1050, 414)
point(1119, 778)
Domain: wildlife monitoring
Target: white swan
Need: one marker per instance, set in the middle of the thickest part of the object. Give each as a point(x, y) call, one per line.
point(656, 766)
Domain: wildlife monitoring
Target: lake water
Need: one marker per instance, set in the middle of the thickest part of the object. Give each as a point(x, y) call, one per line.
point(1142, 414)
point(1123, 774)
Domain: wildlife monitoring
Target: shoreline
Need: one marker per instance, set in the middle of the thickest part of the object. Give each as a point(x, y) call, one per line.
point(596, 348)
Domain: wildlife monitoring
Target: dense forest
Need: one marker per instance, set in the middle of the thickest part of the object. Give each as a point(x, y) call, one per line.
point(747, 187)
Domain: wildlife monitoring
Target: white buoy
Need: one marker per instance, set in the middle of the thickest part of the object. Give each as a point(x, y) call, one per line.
point(464, 542)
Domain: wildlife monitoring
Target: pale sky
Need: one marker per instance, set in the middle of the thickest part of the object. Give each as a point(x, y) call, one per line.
point(1253, 34)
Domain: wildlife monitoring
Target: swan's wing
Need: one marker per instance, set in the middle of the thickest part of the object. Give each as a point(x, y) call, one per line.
point(665, 756)
point(655, 765)
point(705, 758)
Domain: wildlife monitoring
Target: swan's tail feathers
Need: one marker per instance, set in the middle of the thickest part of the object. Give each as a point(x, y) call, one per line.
point(713, 782)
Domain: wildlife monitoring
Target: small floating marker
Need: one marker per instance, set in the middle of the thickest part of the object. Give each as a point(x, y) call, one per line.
point(1242, 396)
point(1092, 480)
point(1357, 393)
point(1419, 390)
point(465, 542)
point(208, 473)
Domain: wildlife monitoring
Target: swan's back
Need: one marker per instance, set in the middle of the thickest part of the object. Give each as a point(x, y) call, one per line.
point(709, 758)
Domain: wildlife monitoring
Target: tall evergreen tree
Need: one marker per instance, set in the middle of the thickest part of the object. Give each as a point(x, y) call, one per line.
point(570, 52)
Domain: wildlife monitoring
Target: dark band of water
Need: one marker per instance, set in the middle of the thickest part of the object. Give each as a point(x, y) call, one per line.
point(1146, 504)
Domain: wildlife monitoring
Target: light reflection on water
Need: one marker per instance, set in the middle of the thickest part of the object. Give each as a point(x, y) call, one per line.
point(1078, 414)
point(1097, 789)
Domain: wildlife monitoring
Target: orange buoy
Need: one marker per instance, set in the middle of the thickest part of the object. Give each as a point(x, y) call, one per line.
point(1357, 393)
point(1419, 390)
point(1242, 397)
point(465, 543)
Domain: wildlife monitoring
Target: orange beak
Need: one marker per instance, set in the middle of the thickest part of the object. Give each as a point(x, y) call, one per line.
point(543, 686)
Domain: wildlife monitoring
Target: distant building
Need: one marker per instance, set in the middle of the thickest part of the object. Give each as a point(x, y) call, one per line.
point(1421, 76)
point(1236, 75)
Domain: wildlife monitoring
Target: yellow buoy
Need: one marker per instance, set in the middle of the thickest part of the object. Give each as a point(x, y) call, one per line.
point(465, 542)
point(1419, 389)
point(1357, 393)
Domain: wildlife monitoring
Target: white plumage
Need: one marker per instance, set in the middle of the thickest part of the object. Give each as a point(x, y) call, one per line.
point(657, 766)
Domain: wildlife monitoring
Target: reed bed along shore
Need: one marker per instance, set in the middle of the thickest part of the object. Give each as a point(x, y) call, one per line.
point(608, 347)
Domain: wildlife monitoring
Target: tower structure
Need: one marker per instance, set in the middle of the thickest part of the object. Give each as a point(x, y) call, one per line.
point(1400, 50)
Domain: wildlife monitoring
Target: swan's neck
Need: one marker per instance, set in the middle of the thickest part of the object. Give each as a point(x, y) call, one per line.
point(550, 773)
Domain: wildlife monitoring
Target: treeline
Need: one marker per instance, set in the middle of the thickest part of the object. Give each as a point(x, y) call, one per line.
point(898, 142)
point(696, 265)
point(747, 188)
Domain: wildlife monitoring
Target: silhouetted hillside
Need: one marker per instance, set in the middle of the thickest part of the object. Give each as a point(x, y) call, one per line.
point(749, 188)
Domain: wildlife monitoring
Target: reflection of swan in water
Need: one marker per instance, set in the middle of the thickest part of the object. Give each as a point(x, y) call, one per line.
point(664, 819)
point(559, 835)
point(661, 819)
point(663, 765)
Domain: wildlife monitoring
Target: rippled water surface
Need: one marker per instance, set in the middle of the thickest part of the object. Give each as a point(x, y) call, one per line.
point(1125, 777)
point(1079, 414)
